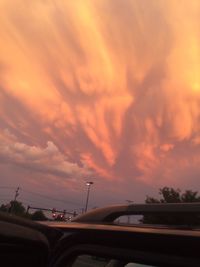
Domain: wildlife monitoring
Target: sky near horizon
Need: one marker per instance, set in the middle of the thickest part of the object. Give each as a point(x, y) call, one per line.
point(99, 90)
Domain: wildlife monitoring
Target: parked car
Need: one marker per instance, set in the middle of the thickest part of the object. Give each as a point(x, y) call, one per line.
point(95, 239)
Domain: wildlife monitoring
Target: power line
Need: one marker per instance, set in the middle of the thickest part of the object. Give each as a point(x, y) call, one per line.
point(52, 198)
point(28, 201)
point(39, 195)
point(7, 187)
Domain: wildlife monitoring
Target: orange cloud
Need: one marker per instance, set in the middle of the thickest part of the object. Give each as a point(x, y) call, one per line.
point(111, 83)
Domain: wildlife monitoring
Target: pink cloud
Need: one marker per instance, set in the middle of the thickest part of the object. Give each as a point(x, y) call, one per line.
point(47, 160)
point(102, 89)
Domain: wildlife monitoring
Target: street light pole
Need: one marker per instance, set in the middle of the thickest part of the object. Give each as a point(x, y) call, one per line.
point(88, 194)
point(129, 202)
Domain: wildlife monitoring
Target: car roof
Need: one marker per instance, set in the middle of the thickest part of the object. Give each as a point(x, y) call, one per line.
point(104, 219)
point(124, 228)
point(132, 228)
point(111, 213)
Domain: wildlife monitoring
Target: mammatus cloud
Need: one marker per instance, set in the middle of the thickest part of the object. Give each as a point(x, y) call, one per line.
point(112, 85)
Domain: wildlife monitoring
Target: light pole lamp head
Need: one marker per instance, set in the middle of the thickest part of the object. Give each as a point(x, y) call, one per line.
point(89, 183)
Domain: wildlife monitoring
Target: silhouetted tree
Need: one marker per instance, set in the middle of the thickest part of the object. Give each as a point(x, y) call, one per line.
point(171, 195)
point(38, 216)
point(190, 196)
point(17, 208)
point(5, 207)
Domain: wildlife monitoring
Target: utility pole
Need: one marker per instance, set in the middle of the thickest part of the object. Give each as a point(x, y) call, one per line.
point(16, 193)
point(15, 198)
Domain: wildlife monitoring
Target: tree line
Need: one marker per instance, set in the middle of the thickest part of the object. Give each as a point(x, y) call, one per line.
point(171, 195)
point(15, 207)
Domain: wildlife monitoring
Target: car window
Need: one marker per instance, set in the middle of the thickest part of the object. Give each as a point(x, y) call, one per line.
point(91, 261)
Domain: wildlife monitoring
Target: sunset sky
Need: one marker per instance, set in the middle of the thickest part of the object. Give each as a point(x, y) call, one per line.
point(98, 90)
